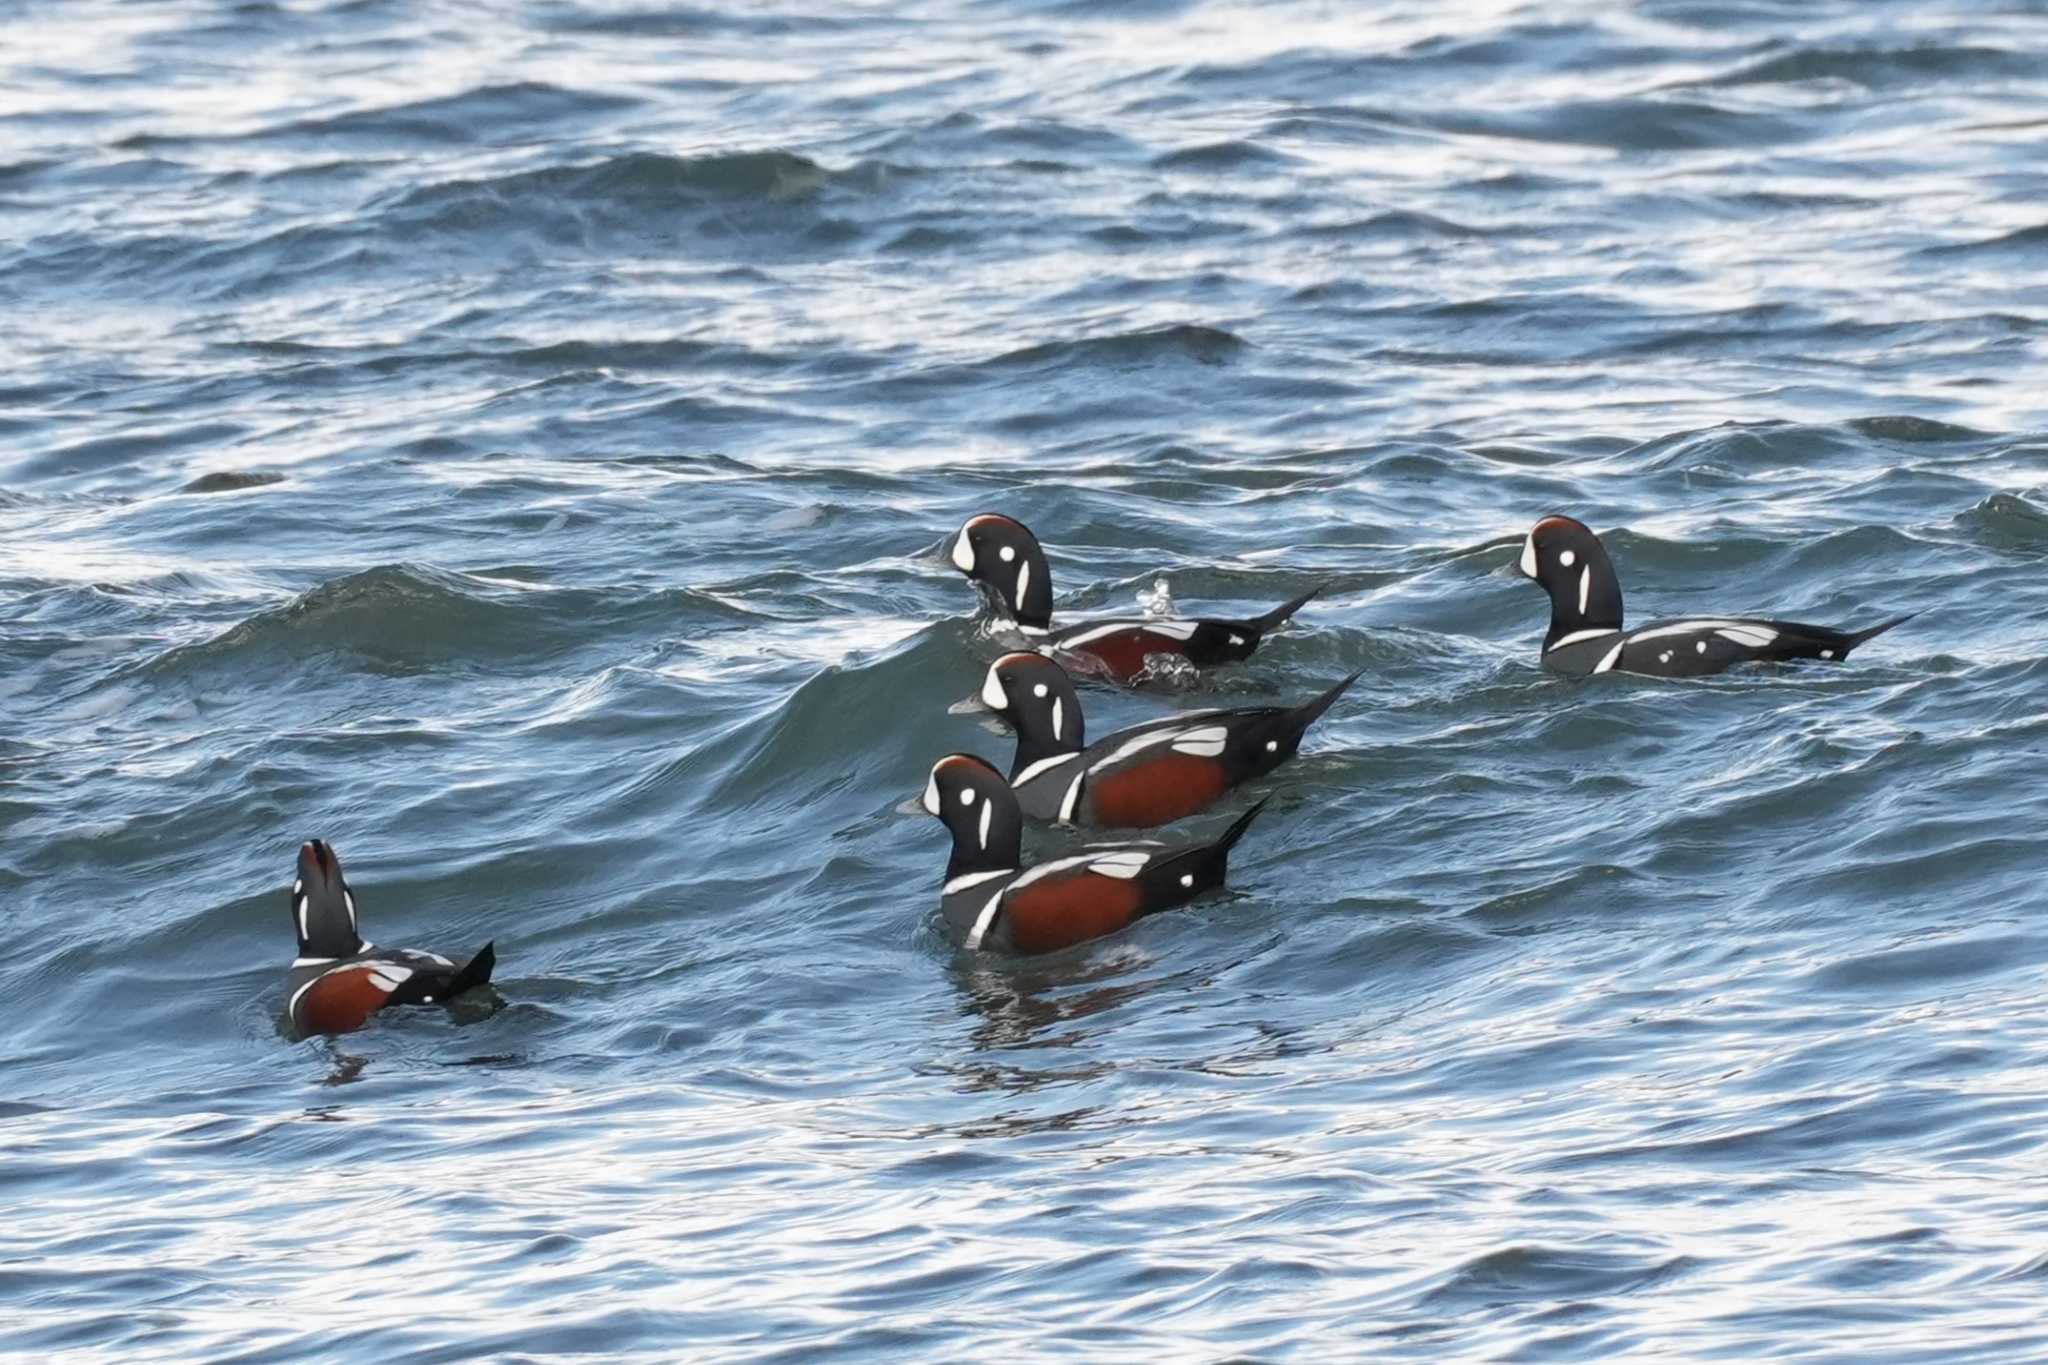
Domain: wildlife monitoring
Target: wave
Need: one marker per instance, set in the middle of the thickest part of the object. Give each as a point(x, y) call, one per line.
point(638, 179)
point(2009, 523)
point(1755, 447)
point(1638, 125)
point(486, 114)
point(311, 363)
point(102, 453)
point(231, 481)
point(404, 618)
point(1234, 155)
point(1545, 1274)
point(1180, 341)
point(1879, 68)
point(1397, 225)
point(2020, 241)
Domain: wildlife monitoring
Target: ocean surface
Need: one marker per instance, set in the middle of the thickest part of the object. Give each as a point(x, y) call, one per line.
point(516, 442)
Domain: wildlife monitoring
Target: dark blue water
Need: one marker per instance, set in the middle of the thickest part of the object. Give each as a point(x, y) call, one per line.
point(514, 442)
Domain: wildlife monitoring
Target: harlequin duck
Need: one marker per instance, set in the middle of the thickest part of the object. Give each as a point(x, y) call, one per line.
point(1002, 555)
point(1585, 619)
point(992, 901)
point(338, 980)
point(1146, 775)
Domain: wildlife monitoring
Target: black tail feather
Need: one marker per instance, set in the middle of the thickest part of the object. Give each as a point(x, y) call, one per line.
point(1221, 848)
point(1179, 879)
point(1286, 609)
point(1851, 639)
point(1309, 712)
point(476, 972)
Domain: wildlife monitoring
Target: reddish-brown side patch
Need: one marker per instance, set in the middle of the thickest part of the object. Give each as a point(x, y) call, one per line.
point(1123, 654)
point(339, 1002)
point(1062, 911)
point(1154, 792)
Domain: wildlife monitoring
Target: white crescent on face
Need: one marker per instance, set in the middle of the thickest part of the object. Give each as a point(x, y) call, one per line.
point(1528, 565)
point(963, 553)
point(992, 694)
point(931, 792)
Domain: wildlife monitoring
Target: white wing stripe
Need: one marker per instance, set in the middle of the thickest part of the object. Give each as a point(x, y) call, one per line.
point(1206, 742)
point(1687, 628)
point(1172, 630)
point(1123, 864)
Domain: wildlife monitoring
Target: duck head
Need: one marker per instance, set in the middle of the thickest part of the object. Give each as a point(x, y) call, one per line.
point(323, 907)
point(980, 811)
point(1037, 697)
point(1002, 555)
point(1567, 561)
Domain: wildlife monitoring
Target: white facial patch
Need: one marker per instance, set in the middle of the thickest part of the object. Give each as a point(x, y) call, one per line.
point(963, 552)
point(992, 694)
point(1528, 565)
point(1039, 689)
point(1567, 559)
point(931, 793)
point(967, 796)
point(988, 815)
point(1585, 586)
point(1007, 553)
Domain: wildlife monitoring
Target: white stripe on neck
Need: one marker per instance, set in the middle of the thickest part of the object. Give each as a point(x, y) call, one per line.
point(969, 879)
point(1042, 765)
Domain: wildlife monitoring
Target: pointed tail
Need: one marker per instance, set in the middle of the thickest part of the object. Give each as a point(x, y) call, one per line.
point(476, 972)
point(1220, 850)
point(1309, 712)
point(1184, 876)
point(1851, 639)
point(1286, 609)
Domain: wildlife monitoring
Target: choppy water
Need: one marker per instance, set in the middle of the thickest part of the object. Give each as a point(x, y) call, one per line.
point(512, 441)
